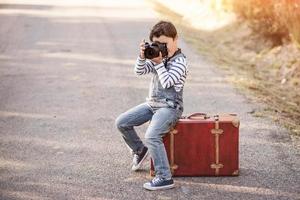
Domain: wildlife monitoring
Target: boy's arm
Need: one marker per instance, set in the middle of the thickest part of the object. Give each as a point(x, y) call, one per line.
point(177, 70)
point(143, 67)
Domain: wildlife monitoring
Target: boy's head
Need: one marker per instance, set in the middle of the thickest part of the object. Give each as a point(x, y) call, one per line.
point(165, 32)
point(163, 28)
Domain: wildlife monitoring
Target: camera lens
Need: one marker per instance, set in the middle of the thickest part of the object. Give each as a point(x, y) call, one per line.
point(151, 51)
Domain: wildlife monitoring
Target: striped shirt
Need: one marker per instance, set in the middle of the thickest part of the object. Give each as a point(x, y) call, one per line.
point(174, 76)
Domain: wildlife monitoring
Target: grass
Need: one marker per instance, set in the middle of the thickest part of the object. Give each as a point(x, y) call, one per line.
point(272, 18)
point(253, 63)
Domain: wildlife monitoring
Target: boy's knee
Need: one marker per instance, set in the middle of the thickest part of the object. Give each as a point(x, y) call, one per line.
point(152, 139)
point(119, 122)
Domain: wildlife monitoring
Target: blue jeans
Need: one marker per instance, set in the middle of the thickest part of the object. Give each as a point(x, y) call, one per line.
point(162, 119)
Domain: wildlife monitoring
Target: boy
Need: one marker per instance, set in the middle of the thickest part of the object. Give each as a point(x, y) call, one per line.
point(163, 107)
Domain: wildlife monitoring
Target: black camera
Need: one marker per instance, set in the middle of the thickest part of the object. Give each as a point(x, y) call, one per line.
point(152, 50)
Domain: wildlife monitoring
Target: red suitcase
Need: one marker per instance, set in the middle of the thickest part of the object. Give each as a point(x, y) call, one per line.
point(200, 145)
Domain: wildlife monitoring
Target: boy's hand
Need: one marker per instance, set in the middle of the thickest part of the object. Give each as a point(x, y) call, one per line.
point(142, 49)
point(158, 59)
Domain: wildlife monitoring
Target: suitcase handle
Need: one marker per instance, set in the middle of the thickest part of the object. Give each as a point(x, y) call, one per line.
point(197, 115)
point(205, 116)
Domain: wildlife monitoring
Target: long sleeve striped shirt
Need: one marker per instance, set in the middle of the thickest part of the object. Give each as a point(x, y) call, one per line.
point(175, 75)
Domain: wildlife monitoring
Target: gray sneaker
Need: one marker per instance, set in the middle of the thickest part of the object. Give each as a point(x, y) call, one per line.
point(159, 184)
point(139, 158)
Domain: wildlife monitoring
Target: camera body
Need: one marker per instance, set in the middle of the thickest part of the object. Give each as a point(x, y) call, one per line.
point(152, 50)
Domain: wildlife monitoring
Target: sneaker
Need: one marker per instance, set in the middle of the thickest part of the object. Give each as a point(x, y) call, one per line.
point(139, 158)
point(159, 184)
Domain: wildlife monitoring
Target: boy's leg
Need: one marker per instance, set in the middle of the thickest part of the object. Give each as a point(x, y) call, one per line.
point(161, 122)
point(133, 117)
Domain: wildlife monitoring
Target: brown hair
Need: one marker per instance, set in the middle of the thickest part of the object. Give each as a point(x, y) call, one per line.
point(163, 28)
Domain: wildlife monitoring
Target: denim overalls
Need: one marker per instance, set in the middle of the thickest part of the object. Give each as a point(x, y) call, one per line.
point(163, 107)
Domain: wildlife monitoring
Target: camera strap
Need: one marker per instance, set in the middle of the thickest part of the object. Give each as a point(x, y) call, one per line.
point(169, 58)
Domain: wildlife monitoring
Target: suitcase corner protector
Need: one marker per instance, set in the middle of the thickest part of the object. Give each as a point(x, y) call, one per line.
point(174, 131)
point(236, 123)
point(236, 173)
point(152, 173)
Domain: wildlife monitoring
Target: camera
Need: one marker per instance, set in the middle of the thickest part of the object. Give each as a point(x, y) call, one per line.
point(152, 50)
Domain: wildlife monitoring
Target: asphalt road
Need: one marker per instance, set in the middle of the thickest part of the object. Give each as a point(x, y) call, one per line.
point(66, 73)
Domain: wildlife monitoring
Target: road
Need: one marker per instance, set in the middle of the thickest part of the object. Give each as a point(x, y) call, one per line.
point(66, 73)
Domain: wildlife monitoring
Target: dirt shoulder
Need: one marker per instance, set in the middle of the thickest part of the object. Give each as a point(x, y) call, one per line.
point(265, 72)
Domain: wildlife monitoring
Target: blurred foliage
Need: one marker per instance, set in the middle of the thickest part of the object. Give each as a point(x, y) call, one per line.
point(255, 52)
point(277, 20)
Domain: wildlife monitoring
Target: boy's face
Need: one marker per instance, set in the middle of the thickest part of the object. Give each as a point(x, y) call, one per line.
point(171, 43)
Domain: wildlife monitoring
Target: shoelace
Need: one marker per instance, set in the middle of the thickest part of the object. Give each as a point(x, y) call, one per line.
point(135, 157)
point(156, 180)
